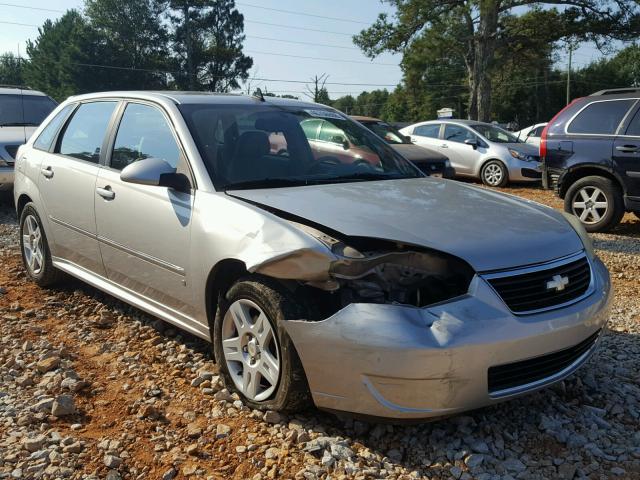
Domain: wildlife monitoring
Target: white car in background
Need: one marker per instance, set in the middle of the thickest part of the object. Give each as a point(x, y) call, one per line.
point(531, 134)
point(479, 150)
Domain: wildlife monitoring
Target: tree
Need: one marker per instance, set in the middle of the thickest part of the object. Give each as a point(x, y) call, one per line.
point(59, 56)
point(317, 91)
point(479, 27)
point(133, 36)
point(207, 38)
point(11, 71)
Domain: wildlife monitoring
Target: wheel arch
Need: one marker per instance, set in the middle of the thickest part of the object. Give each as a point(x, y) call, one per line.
point(221, 277)
point(23, 199)
point(572, 175)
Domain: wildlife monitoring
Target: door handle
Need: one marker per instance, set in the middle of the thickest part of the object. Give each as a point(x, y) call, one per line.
point(47, 172)
point(444, 145)
point(106, 193)
point(628, 148)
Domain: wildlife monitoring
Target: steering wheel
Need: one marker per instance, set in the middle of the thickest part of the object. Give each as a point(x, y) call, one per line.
point(323, 161)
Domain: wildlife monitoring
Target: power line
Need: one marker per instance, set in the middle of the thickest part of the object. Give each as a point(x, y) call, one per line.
point(323, 59)
point(303, 14)
point(302, 43)
point(20, 24)
point(299, 28)
point(32, 8)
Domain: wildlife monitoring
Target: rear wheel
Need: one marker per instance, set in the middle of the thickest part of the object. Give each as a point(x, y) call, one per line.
point(494, 174)
point(36, 255)
point(256, 357)
point(596, 201)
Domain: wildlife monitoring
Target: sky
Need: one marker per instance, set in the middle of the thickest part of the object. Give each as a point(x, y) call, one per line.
point(275, 57)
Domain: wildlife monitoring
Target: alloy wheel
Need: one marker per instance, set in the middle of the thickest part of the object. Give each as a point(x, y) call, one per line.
point(493, 174)
point(250, 349)
point(590, 205)
point(32, 244)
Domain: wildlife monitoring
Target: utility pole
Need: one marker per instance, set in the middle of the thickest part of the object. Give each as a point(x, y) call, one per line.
point(572, 45)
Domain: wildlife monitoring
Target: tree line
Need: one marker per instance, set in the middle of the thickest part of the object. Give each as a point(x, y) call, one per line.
point(486, 59)
point(142, 44)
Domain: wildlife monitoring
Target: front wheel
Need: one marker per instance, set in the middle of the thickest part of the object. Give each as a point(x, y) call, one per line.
point(494, 174)
point(596, 201)
point(36, 255)
point(256, 357)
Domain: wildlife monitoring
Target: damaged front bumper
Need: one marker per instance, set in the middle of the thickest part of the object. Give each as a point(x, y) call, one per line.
point(399, 362)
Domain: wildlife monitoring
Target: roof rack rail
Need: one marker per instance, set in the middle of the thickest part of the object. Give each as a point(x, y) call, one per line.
point(615, 91)
point(21, 87)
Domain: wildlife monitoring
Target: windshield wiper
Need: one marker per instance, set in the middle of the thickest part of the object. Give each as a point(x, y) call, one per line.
point(274, 182)
point(18, 124)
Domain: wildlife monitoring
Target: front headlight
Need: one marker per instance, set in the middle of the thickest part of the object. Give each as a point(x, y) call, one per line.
point(582, 233)
point(520, 155)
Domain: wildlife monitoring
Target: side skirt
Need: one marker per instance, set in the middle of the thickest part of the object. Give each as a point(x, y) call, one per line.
point(150, 306)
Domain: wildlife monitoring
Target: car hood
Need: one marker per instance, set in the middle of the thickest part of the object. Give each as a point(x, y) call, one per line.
point(414, 153)
point(491, 231)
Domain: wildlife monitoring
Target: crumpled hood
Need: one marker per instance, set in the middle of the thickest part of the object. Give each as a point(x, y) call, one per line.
point(489, 230)
point(414, 153)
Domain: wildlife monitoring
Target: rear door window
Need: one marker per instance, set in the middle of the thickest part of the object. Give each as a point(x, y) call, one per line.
point(430, 131)
point(600, 118)
point(85, 132)
point(44, 140)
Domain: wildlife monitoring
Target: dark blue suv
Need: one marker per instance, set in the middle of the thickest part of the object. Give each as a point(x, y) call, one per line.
point(591, 157)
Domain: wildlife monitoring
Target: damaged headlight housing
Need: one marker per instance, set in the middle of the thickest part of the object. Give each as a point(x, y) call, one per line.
point(380, 271)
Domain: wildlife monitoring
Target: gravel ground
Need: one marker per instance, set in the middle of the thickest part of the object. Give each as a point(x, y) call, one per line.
point(91, 388)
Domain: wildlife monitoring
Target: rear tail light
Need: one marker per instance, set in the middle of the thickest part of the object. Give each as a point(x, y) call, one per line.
point(545, 131)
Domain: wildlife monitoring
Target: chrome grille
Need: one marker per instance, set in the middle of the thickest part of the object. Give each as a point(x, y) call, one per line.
point(544, 287)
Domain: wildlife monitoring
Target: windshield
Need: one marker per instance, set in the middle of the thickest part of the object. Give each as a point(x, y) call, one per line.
point(387, 132)
point(24, 110)
point(495, 134)
point(261, 146)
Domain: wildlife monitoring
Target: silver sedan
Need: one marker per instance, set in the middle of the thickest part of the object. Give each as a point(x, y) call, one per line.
point(479, 150)
point(352, 282)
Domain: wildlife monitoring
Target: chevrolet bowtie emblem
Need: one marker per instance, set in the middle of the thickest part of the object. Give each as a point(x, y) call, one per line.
point(557, 283)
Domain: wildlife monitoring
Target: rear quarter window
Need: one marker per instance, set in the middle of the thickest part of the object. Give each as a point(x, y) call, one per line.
point(600, 118)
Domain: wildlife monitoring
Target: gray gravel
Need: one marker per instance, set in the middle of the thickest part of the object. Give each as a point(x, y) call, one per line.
point(585, 427)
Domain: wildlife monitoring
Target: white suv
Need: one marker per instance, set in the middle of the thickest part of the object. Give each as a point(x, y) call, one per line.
point(21, 111)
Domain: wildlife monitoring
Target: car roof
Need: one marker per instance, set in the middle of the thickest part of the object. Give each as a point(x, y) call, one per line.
point(455, 120)
point(361, 118)
point(15, 90)
point(199, 98)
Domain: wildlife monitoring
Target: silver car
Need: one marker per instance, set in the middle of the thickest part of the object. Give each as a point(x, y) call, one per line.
point(21, 111)
point(361, 287)
point(479, 150)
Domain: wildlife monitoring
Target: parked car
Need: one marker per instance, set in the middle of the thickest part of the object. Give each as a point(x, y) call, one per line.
point(479, 150)
point(531, 134)
point(328, 140)
point(21, 111)
point(591, 156)
point(426, 159)
point(366, 288)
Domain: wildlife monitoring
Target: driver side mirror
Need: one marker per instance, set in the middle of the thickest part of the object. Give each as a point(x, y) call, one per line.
point(472, 142)
point(406, 138)
point(155, 172)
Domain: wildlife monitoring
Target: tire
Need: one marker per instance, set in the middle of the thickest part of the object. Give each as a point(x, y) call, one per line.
point(36, 256)
point(494, 174)
point(596, 201)
point(249, 353)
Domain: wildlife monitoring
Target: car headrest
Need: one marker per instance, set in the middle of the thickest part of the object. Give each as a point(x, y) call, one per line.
point(252, 144)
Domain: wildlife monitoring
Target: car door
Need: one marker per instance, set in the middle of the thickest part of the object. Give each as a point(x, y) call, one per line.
point(464, 158)
point(427, 136)
point(143, 230)
point(67, 183)
point(626, 156)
